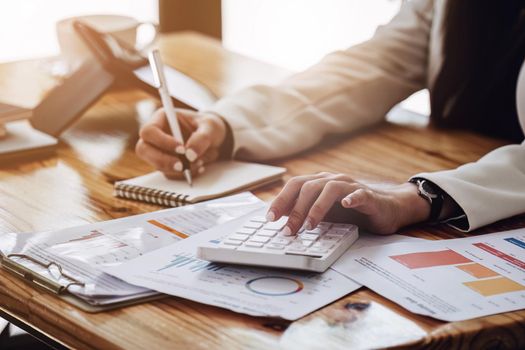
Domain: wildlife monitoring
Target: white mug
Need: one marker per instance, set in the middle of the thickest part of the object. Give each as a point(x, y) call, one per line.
point(74, 51)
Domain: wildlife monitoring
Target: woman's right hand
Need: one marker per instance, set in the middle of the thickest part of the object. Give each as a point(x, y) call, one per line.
point(204, 134)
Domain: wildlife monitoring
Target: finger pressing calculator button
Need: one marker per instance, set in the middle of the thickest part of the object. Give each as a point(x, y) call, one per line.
point(285, 233)
point(276, 225)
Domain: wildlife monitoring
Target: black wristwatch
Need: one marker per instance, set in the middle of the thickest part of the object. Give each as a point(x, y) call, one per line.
point(432, 194)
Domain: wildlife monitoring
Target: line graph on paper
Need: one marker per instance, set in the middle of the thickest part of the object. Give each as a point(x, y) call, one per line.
point(191, 263)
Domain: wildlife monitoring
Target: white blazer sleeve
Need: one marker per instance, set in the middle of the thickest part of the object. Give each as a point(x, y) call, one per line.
point(346, 91)
point(491, 189)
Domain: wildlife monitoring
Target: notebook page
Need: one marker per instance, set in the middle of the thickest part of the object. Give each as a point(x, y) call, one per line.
point(218, 179)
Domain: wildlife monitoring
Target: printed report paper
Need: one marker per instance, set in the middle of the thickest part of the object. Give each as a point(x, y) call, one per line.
point(84, 250)
point(255, 291)
point(451, 280)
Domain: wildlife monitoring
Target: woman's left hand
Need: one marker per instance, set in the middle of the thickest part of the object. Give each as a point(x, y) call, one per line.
point(383, 209)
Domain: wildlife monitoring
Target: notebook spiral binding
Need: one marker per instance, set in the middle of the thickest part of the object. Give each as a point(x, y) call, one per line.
point(150, 195)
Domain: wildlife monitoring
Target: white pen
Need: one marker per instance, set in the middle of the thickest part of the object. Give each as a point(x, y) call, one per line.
point(160, 80)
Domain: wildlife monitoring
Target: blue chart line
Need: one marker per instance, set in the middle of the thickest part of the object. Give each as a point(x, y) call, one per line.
point(191, 263)
point(516, 242)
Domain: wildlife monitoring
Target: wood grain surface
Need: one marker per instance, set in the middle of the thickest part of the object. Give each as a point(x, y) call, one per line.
point(74, 187)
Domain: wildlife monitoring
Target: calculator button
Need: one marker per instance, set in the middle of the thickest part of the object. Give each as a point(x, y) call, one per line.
point(267, 233)
point(275, 246)
point(324, 225)
point(260, 219)
point(228, 242)
point(339, 226)
point(298, 249)
point(325, 244)
point(259, 239)
point(304, 243)
point(330, 237)
point(246, 231)
point(308, 237)
point(237, 237)
point(316, 231)
point(283, 234)
point(318, 250)
point(225, 246)
point(253, 244)
point(253, 250)
point(339, 231)
point(254, 225)
point(281, 240)
point(276, 225)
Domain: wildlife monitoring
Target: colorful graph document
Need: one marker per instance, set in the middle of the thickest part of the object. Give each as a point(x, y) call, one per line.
point(450, 280)
point(84, 251)
point(255, 291)
point(260, 292)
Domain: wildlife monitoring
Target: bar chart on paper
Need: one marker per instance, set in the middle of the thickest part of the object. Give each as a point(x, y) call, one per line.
point(451, 280)
point(487, 283)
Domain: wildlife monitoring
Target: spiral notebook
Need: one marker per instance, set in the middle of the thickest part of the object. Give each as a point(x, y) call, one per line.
point(220, 179)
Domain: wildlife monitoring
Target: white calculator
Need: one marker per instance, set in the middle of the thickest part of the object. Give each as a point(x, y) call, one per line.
point(255, 241)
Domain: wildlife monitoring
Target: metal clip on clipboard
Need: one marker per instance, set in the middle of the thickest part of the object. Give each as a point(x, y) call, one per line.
point(20, 270)
point(58, 289)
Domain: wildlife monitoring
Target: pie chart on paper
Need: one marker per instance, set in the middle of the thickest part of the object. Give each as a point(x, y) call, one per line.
point(274, 285)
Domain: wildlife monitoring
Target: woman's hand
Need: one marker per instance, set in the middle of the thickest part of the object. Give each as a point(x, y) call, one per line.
point(204, 134)
point(383, 209)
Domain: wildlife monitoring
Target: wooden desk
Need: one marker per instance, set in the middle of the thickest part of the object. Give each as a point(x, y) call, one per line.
point(75, 187)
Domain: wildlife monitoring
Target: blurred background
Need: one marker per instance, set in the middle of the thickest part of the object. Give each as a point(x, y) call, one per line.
point(293, 34)
point(290, 33)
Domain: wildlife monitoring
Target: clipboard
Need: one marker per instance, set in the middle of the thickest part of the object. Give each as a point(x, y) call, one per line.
point(62, 291)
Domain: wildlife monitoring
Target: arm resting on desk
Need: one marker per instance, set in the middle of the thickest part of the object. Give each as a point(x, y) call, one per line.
point(491, 189)
point(346, 91)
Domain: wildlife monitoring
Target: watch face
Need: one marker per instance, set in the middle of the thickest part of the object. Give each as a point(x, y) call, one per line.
point(430, 189)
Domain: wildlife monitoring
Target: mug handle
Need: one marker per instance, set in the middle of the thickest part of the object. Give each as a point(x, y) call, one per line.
point(148, 46)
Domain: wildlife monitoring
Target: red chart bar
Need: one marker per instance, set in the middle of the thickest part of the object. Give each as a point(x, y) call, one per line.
point(501, 255)
point(430, 259)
